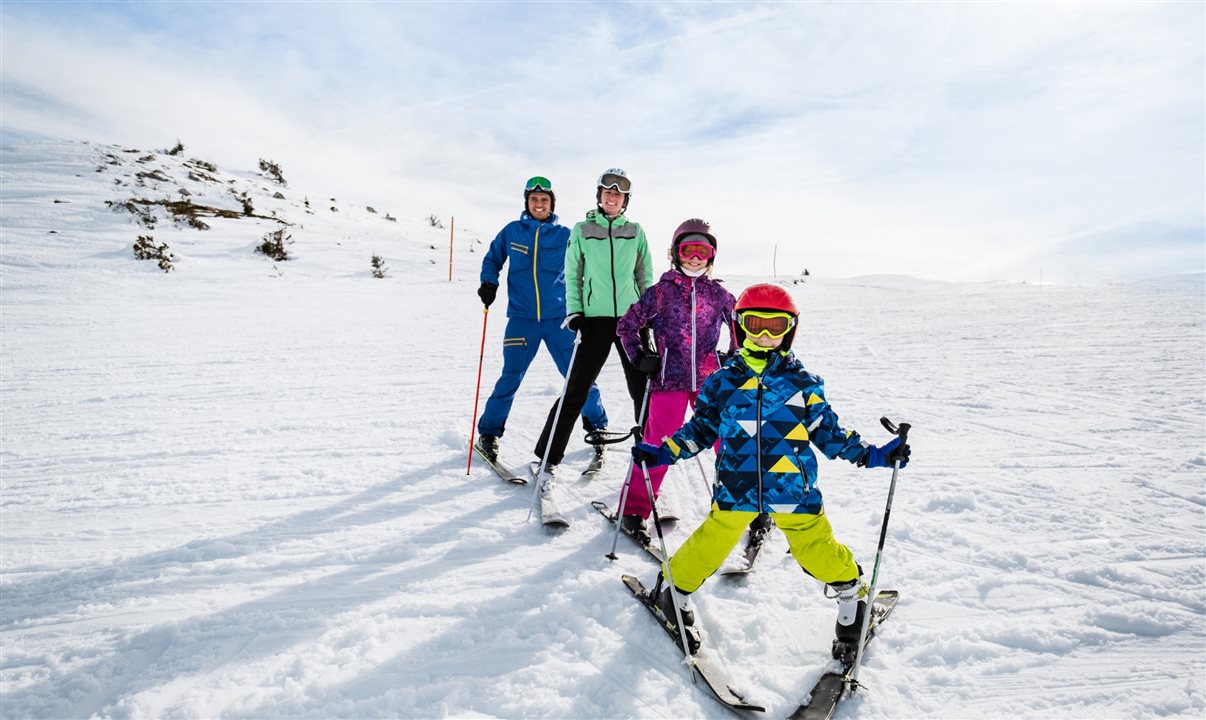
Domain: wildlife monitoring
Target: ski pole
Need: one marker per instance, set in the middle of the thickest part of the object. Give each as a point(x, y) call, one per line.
point(851, 679)
point(539, 484)
point(628, 478)
point(703, 474)
point(688, 658)
point(478, 393)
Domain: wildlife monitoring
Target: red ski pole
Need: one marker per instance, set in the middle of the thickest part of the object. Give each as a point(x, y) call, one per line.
point(477, 393)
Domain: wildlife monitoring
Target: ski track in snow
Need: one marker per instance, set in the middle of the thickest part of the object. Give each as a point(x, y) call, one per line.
point(240, 491)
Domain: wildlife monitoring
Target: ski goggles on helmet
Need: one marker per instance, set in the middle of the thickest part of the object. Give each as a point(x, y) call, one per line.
point(774, 324)
point(615, 181)
point(539, 184)
point(698, 250)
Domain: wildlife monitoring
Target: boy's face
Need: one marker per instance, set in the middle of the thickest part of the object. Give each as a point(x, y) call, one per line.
point(766, 341)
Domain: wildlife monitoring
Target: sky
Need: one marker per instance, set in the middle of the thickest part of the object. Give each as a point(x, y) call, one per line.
point(955, 141)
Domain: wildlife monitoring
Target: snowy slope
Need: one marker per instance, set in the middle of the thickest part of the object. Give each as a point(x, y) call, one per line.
point(239, 489)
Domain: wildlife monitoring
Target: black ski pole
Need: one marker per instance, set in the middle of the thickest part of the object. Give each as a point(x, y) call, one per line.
point(851, 679)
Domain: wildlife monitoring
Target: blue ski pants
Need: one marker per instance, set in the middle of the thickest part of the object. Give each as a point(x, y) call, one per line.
point(521, 341)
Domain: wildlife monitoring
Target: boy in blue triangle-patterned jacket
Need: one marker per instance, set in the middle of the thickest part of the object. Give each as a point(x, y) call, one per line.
point(768, 412)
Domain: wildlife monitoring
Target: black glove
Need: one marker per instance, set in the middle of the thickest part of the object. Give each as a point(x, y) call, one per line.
point(487, 292)
point(573, 322)
point(647, 362)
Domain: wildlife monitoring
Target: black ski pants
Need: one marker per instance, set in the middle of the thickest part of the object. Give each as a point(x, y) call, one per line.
point(598, 338)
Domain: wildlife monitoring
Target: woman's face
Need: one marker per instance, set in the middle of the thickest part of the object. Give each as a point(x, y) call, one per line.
point(612, 202)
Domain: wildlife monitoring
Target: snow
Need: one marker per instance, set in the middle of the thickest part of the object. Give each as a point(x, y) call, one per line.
point(239, 489)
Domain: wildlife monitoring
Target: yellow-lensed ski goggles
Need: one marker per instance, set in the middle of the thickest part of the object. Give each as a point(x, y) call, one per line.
point(774, 324)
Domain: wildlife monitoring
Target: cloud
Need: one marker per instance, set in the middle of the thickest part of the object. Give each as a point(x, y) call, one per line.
point(944, 140)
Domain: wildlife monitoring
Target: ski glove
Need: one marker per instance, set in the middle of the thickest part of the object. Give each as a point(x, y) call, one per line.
point(886, 455)
point(647, 362)
point(573, 322)
point(487, 292)
point(652, 455)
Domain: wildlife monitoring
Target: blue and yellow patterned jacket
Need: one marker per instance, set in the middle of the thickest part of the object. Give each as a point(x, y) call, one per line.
point(767, 425)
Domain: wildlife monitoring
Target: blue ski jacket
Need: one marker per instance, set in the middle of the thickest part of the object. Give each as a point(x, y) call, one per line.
point(536, 275)
point(767, 425)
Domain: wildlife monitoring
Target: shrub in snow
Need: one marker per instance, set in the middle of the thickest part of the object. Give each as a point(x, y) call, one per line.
point(146, 249)
point(370, 209)
point(379, 266)
point(274, 245)
point(143, 213)
point(434, 221)
point(272, 170)
point(176, 149)
point(245, 200)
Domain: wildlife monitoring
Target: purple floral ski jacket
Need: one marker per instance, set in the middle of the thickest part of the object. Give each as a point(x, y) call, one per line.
point(687, 316)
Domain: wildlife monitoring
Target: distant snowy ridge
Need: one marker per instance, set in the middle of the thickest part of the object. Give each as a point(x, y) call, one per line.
point(118, 193)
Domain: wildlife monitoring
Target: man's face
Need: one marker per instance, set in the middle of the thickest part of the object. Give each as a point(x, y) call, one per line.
point(540, 205)
point(612, 202)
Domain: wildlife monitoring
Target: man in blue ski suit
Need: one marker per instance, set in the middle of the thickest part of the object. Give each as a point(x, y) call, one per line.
point(535, 247)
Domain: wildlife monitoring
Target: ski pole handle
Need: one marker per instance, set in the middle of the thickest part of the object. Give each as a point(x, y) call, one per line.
point(902, 430)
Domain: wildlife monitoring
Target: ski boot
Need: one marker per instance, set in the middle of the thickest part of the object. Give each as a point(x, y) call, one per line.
point(851, 598)
point(546, 478)
point(760, 528)
point(487, 445)
point(665, 605)
point(634, 526)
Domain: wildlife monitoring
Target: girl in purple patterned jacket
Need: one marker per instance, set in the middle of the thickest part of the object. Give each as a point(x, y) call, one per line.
point(686, 310)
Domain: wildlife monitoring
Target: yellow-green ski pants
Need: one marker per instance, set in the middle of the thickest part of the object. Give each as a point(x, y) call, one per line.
point(809, 537)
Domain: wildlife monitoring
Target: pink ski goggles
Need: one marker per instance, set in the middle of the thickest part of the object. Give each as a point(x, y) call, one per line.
point(698, 250)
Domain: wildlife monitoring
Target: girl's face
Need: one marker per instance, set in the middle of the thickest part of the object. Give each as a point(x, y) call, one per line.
point(693, 264)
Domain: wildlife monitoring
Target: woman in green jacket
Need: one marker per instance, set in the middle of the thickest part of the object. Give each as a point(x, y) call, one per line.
point(607, 267)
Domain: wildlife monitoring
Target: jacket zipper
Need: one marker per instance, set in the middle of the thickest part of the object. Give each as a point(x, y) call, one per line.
point(611, 243)
point(535, 261)
point(758, 443)
point(694, 370)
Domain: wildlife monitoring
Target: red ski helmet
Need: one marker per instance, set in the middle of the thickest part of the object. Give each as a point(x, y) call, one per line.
point(767, 298)
point(694, 226)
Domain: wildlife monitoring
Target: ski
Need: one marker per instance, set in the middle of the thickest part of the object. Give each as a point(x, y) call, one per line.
point(593, 467)
point(753, 546)
point(666, 515)
point(645, 542)
point(751, 554)
point(502, 470)
point(550, 511)
point(702, 663)
point(831, 686)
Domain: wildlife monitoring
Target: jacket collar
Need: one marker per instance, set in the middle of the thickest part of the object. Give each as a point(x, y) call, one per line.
point(527, 219)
